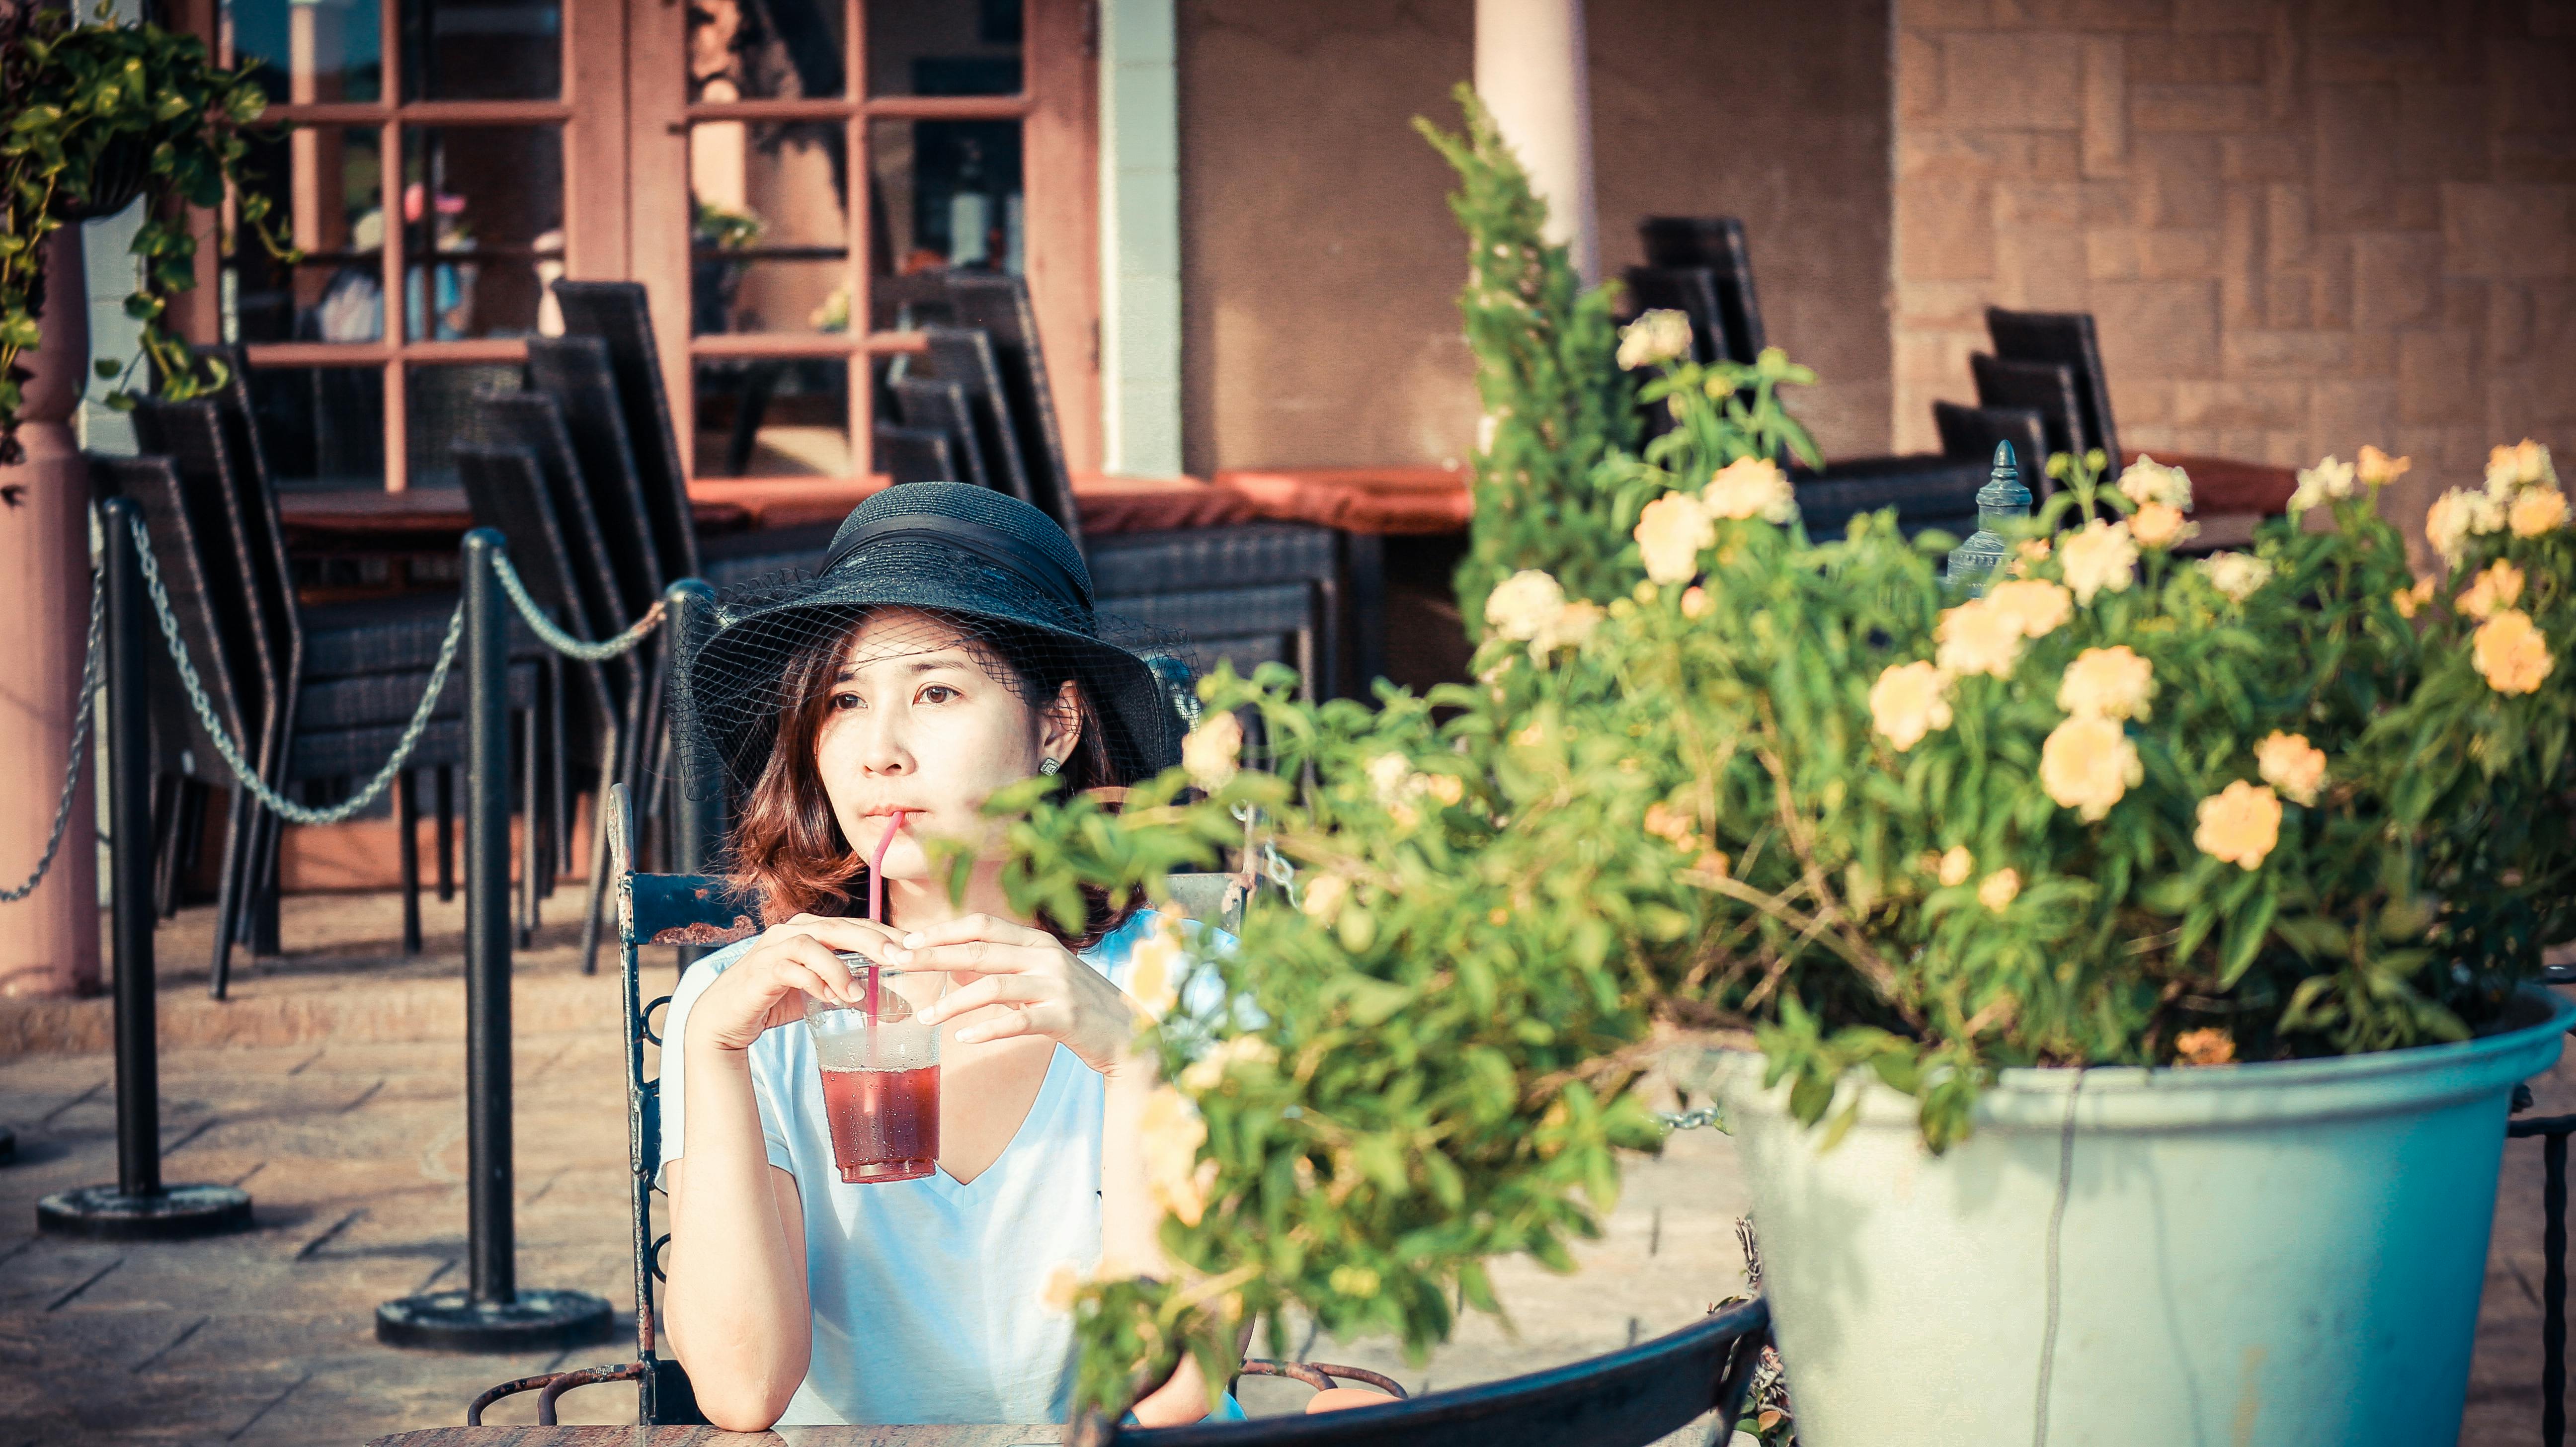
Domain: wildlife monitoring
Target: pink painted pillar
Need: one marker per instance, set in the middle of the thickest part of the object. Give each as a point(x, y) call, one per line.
point(49, 940)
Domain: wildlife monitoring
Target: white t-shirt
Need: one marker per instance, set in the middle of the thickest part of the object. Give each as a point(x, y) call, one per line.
point(925, 1292)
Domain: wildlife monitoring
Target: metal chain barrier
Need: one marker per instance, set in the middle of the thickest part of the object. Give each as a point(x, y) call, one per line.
point(233, 754)
point(80, 743)
point(1700, 1119)
point(557, 639)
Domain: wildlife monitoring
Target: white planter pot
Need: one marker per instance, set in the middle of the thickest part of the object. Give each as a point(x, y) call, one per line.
point(2280, 1254)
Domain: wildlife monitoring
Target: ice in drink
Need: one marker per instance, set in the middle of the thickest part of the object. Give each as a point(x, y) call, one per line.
point(885, 1123)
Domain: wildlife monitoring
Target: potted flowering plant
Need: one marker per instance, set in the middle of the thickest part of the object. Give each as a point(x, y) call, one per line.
point(2115, 978)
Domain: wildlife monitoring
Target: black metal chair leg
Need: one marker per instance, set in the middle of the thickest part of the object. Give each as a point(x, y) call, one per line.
point(258, 931)
point(228, 892)
point(444, 795)
point(407, 850)
point(169, 800)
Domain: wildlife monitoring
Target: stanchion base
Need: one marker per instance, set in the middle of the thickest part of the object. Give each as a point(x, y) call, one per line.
point(104, 1213)
point(453, 1321)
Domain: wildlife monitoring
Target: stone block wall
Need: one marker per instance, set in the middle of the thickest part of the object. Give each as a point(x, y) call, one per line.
point(2302, 225)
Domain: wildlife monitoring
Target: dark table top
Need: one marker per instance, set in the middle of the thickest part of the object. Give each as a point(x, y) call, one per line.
point(935, 1436)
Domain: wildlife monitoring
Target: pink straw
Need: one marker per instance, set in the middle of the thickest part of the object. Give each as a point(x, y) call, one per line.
point(876, 897)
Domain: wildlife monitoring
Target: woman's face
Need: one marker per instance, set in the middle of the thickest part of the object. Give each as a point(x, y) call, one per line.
point(912, 721)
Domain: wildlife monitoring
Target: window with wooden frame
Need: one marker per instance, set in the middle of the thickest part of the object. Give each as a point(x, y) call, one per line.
point(439, 163)
point(805, 174)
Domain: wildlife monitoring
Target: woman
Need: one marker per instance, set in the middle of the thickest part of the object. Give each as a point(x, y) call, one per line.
point(947, 648)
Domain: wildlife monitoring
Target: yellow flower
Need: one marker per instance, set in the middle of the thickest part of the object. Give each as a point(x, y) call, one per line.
point(1323, 897)
point(1172, 1133)
point(1447, 788)
point(2109, 683)
point(1908, 701)
point(1387, 773)
point(2520, 465)
point(1694, 602)
point(1523, 604)
point(2378, 469)
point(2411, 601)
point(1208, 1071)
point(2456, 516)
point(2328, 479)
point(1956, 865)
point(2239, 824)
point(2000, 889)
point(1568, 629)
point(1673, 826)
point(2101, 557)
point(2511, 654)
point(1670, 534)
point(1063, 1287)
point(1713, 864)
point(2038, 606)
point(2289, 763)
point(1212, 751)
point(2238, 575)
point(2536, 510)
point(2206, 1046)
point(1977, 637)
point(2087, 764)
point(1660, 335)
point(2161, 525)
point(2149, 481)
point(2499, 587)
point(1156, 966)
point(1751, 487)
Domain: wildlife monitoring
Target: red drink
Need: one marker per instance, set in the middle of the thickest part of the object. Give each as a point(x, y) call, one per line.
point(885, 1123)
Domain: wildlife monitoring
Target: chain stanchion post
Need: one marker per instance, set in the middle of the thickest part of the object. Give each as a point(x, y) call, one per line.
point(493, 1313)
point(698, 804)
point(139, 1207)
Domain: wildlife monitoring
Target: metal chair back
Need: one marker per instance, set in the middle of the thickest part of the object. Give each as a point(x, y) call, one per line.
point(618, 313)
point(939, 405)
point(997, 304)
point(1692, 291)
point(964, 357)
point(2047, 388)
point(915, 454)
point(577, 375)
point(1626, 1399)
point(2068, 338)
point(1716, 243)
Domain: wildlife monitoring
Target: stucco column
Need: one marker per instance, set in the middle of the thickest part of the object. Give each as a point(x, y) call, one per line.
point(49, 940)
point(1531, 74)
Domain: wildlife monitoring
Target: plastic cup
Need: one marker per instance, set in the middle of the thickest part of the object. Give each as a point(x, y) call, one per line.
point(880, 1066)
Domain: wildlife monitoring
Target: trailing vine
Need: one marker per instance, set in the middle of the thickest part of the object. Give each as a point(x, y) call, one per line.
point(95, 115)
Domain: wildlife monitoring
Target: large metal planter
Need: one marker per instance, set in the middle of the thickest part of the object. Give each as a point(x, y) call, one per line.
point(2280, 1254)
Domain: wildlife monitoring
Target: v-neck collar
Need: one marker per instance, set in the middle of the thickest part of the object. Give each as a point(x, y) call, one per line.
point(952, 1189)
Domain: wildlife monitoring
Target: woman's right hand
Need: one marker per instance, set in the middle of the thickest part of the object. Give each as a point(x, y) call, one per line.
point(771, 982)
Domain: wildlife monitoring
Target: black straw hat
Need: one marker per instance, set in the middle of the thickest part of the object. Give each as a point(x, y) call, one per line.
point(983, 564)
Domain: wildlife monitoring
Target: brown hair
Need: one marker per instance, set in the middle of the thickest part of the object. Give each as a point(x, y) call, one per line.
point(786, 843)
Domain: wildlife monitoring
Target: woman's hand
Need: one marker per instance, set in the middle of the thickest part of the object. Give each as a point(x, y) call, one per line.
point(769, 984)
point(1049, 992)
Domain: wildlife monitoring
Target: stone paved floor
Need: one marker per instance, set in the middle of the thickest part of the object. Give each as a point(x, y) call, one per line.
point(354, 1153)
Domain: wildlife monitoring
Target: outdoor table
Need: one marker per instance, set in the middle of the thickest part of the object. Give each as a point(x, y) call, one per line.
point(420, 519)
point(1367, 505)
point(933, 1436)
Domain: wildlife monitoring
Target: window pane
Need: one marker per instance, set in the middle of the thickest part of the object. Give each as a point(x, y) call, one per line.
point(766, 49)
point(439, 410)
point(321, 427)
point(773, 418)
point(306, 53)
point(967, 47)
point(482, 49)
point(944, 194)
point(769, 252)
point(482, 229)
point(322, 183)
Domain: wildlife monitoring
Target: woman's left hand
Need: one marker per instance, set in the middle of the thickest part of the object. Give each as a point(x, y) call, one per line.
point(1049, 991)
